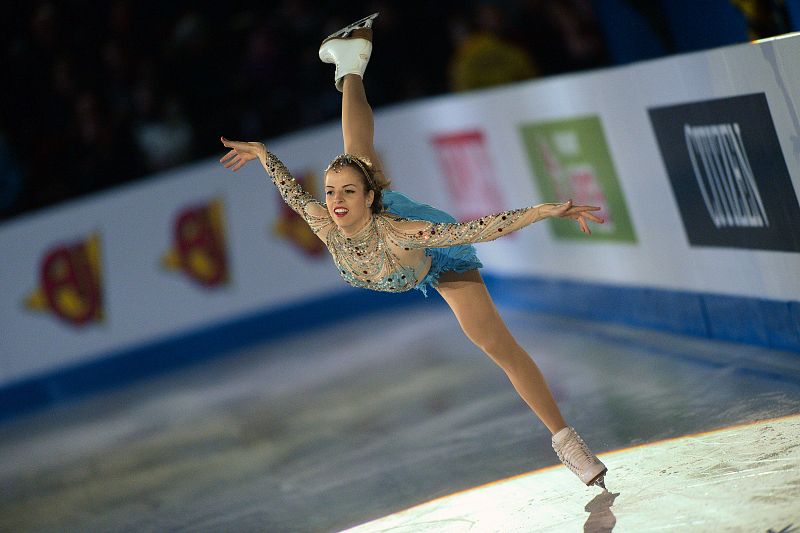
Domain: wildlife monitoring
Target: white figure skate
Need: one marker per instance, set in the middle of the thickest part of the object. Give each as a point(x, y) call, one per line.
point(349, 49)
point(575, 455)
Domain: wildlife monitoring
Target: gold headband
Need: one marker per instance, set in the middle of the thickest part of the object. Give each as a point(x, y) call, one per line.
point(361, 163)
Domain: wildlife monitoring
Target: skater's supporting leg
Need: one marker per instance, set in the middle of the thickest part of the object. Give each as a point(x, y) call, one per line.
point(467, 296)
point(358, 127)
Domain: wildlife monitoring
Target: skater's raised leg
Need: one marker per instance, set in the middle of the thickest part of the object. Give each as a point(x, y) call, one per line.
point(349, 50)
point(358, 127)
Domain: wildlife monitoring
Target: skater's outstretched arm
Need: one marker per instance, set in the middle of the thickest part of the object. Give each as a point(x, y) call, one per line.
point(312, 211)
point(424, 234)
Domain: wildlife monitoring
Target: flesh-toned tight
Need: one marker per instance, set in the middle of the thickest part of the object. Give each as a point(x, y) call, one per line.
point(357, 124)
point(467, 296)
point(466, 293)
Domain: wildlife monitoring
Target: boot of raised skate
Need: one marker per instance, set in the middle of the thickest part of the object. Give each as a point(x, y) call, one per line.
point(349, 49)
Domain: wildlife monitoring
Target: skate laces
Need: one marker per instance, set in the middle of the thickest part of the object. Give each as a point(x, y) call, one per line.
point(573, 452)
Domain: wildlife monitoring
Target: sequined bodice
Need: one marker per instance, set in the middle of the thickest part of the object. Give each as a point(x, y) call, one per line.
point(388, 253)
point(371, 258)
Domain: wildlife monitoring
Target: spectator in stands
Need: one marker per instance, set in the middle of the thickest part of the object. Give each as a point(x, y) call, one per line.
point(765, 18)
point(561, 35)
point(100, 84)
point(483, 57)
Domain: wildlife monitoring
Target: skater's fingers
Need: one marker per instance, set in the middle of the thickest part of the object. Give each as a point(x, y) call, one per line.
point(229, 143)
point(584, 209)
point(233, 162)
point(239, 165)
point(236, 145)
point(227, 156)
point(584, 226)
point(593, 217)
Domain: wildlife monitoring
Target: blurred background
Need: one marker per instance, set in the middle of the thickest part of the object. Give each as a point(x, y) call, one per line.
point(98, 94)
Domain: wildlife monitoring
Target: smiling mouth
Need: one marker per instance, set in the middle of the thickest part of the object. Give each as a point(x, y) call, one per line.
point(340, 211)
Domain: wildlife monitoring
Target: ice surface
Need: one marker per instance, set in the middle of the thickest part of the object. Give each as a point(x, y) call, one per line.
point(350, 423)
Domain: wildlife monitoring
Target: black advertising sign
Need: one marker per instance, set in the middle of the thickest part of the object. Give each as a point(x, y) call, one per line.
point(728, 173)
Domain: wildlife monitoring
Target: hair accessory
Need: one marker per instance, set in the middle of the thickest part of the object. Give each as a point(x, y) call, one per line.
point(363, 165)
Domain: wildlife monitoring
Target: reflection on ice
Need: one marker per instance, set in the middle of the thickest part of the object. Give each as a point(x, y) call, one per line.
point(601, 517)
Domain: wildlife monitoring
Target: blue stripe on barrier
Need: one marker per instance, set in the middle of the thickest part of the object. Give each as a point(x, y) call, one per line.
point(769, 323)
point(126, 366)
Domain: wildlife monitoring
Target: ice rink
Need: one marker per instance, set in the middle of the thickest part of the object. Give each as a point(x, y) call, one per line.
point(397, 423)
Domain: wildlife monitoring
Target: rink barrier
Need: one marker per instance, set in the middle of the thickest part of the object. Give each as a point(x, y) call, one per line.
point(767, 323)
point(128, 366)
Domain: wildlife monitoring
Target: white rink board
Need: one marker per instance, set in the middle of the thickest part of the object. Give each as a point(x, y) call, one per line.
point(143, 302)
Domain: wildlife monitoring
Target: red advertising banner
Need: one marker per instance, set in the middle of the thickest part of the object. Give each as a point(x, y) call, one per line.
point(467, 168)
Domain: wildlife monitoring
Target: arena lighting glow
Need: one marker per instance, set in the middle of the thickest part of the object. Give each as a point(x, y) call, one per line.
point(744, 477)
point(776, 37)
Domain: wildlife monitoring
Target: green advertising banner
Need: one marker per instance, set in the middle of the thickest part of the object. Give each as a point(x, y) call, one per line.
point(570, 159)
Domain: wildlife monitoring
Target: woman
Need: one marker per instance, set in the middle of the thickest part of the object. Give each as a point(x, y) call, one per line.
point(382, 240)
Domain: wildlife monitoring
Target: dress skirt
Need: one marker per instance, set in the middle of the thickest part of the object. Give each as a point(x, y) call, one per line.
point(458, 258)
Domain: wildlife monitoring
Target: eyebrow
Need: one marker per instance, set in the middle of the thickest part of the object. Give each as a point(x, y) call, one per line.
point(345, 185)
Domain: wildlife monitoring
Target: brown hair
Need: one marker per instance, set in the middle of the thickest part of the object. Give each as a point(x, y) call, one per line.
point(369, 174)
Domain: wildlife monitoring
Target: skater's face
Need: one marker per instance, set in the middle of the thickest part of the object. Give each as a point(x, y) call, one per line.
point(347, 198)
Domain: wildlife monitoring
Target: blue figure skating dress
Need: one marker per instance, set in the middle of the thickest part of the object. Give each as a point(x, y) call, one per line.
point(458, 258)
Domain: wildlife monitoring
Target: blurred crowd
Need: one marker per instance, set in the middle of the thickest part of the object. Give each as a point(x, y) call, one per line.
point(100, 93)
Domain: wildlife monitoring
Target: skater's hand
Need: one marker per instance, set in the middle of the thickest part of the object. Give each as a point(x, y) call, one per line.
point(241, 153)
point(575, 212)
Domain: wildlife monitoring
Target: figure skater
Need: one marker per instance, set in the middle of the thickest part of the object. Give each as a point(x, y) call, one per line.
point(382, 240)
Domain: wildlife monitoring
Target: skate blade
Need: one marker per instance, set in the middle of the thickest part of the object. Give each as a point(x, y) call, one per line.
point(600, 480)
point(366, 22)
